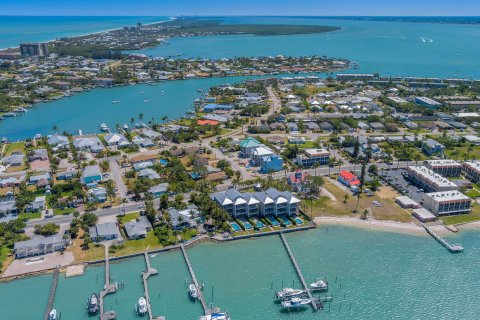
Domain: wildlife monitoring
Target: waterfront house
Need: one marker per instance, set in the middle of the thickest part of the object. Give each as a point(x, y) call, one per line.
point(39, 246)
point(431, 147)
point(297, 180)
point(91, 174)
point(104, 231)
point(265, 203)
point(182, 219)
point(103, 82)
point(116, 139)
point(158, 190)
point(272, 163)
point(447, 202)
point(138, 229)
point(58, 142)
point(92, 144)
point(212, 107)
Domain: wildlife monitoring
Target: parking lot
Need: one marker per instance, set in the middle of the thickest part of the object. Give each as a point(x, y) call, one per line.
point(396, 179)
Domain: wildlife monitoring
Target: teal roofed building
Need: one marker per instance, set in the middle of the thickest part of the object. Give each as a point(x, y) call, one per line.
point(247, 145)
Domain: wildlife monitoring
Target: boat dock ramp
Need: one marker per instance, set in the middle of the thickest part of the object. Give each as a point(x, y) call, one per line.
point(145, 275)
point(108, 289)
point(51, 297)
point(313, 301)
point(453, 248)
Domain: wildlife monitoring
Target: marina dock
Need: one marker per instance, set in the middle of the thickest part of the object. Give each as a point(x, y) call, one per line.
point(299, 273)
point(206, 310)
point(108, 289)
point(51, 296)
point(145, 275)
point(453, 248)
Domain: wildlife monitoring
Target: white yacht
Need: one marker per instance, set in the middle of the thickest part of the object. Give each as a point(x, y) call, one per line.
point(115, 101)
point(192, 290)
point(295, 303)
point(52, 315)
point(38, 136)
point(142, 306)
point(103, 127)
point(145, 101)
point(216, 316)
point(287, 293)
point(319, 285)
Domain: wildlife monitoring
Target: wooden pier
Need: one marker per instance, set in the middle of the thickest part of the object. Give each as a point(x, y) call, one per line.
point(299, 273)
point(51, 297)
point(145, 275)
point(206, 310)
point(108, 289)
point(453, 248)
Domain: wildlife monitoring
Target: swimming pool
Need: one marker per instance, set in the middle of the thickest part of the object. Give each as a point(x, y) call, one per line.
point(246, 224)
point(235, 226)
point(259, 224)
point(273, 221)
point(285, 220)
point(163, 162)
point(298, 220)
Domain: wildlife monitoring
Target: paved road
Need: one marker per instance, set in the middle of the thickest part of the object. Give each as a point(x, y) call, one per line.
point(117, 177)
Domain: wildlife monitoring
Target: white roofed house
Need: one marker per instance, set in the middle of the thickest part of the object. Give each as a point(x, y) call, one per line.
point(58, 142)
point(148, 173)
point(447, 202)
point(92, 144)
point(137, 229)
point(258, 153)
point(116, 139)
point(285, 202)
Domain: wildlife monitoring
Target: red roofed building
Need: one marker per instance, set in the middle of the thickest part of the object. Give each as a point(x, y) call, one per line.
point(207, 122)
point(348, 179)
point(297, 180)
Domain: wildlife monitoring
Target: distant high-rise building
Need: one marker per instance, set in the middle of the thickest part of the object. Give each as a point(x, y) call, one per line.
point(34, 49)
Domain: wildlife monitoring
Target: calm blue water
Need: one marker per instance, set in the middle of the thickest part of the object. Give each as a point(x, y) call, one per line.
point(16, 29)
point(88, 110)
point(389, 48)
point(372, 275)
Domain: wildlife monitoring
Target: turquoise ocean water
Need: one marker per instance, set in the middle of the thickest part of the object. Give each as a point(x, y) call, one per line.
point(372, 275)
point(16, 29)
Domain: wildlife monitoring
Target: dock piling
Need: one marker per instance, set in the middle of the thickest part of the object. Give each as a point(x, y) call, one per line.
point(456, 248)
point(53, 290)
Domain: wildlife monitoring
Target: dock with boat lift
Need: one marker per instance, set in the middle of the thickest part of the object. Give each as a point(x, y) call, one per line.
point(313, 302)
point(453, 248)
point(108, 289)
point(51, 296)
point(145, 275)
point(206, 310)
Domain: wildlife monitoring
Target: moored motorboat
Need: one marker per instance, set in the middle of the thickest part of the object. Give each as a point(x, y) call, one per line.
point(295, 303)
point(52, 315)
point(192, 291)
point(115, 101)
point(216, 316)
point(287, 293)
point(103, 127)
point(92, 304)
point(319, 285)
point(142, 306)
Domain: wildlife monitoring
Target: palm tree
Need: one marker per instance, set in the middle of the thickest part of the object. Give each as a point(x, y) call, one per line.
point(124, 200)
point(140, 116)
point(164, 119)
point(55, 128)
point(365, 213)
point(359, 195)
point(132, 120)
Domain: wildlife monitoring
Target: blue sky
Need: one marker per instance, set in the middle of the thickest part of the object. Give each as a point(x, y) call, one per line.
point(240, 7)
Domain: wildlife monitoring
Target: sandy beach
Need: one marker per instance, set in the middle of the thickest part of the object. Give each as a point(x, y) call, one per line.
point(389, 226)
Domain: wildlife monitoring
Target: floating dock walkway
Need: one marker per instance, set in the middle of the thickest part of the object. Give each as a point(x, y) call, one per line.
point(206, 310)
point(109, 288)
point(145, 275)
point(299, 273)
point(453, 248)
point(51, 297)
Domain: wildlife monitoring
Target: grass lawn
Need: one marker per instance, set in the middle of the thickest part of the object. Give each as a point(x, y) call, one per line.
point(459, 153)
point(5, 259)
point(463, 218)
point(15, 147)
point(473, 193)
point(133, 246)
point(30, 215)
point(128, 217)
point(95, 252)
point(324, 206)
point(188, 234)
point(65, 211)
